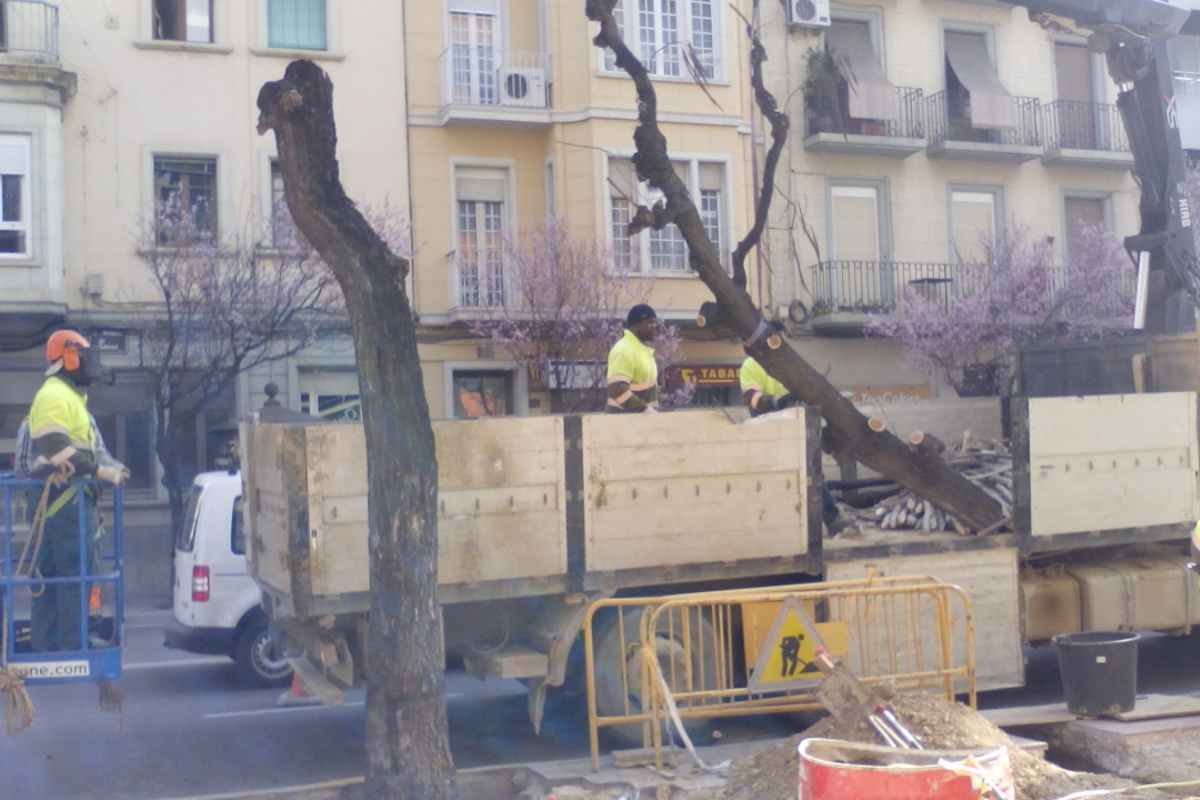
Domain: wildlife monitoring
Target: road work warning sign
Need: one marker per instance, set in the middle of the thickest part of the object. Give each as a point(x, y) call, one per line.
point(785, 655)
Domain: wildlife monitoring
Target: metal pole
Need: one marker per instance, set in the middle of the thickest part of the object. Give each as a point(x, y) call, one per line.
point(1143, 286)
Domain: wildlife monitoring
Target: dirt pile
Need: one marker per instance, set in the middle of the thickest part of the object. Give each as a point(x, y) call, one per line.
point(772, 773)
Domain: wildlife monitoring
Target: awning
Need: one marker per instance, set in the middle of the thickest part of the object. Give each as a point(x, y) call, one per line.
point(991, 104)
point(871, 95)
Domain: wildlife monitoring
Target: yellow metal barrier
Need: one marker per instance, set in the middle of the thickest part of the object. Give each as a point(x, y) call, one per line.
point(732, 653)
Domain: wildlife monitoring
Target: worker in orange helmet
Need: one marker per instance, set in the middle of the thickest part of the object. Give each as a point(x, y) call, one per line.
point(63, 440)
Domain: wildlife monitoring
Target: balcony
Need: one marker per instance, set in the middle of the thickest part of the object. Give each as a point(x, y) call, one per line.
point(29, 66)
point(1080, 134)
point(885, 138)
point(487, 87)
point(846, 294)
point(952, 136)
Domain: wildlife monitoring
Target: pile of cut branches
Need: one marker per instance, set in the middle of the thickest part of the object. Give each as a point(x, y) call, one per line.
point(986, 463)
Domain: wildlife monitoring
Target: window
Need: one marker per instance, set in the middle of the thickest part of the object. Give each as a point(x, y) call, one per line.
point(859, 273)
point(863, 89)
point(127, 435)
point(482, 393)
point(663, 251)
point(14, 196)
point(974, 221)
point(282, 231)
point(473, 57)
point(660, 31)
point(183, 20)
point(480, 196)
point(1079, 211)
point(185, 189)
point(296, 24)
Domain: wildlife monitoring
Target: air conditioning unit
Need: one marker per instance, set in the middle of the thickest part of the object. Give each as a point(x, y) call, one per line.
point(808, 13)
point(522, 86)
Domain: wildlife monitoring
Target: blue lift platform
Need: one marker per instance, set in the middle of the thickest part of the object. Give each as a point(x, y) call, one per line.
point(98, 657)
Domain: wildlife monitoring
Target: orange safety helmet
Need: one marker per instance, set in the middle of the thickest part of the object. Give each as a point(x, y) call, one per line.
point(66, 345)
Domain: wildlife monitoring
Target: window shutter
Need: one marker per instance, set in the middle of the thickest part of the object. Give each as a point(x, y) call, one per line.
point(622, 176)
point(14, 158)
point(712, 177)
point(484, 185)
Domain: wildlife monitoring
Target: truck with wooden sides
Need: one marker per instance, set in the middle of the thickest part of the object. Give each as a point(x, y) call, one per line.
point(540, 516)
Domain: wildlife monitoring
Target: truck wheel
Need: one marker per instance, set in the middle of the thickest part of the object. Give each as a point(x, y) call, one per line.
point(612, 693)
point(257, 663)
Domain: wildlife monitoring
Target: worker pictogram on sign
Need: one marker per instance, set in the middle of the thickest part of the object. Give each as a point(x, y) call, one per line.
point(786, 658)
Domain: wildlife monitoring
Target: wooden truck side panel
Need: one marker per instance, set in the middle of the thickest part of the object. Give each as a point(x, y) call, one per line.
point(1106, 464)
point(714, 493)
point(692, 488)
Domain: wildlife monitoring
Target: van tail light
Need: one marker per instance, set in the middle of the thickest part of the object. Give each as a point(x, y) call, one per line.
point(200, 584)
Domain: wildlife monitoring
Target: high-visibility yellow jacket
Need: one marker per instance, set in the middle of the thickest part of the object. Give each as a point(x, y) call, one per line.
point(762, 388)
point(632, 375)
point(59, 418)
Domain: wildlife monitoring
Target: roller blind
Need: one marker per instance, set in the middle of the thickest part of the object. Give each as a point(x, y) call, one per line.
point(473, 183)
point(991, 104)
point(855, 220)
point(872, 96)
point(974, 216)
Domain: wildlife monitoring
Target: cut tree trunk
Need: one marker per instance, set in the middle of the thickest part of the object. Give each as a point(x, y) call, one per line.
point(406, 728)
point(848, 433)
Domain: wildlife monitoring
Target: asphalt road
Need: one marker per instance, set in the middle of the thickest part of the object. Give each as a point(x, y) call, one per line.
point(189, 731)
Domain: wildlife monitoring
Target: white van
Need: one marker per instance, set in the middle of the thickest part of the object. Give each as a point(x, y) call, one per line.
point(217, 605)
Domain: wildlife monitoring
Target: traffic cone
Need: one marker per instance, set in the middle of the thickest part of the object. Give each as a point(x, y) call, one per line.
point(296, 696)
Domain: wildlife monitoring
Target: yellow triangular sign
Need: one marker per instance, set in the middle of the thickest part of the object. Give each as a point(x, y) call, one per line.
point(786, 659)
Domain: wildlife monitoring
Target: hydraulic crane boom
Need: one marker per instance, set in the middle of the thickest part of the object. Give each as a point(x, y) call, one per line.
point(1133, 36)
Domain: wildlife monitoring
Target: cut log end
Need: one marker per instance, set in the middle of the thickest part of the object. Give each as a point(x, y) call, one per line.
point(876, 424)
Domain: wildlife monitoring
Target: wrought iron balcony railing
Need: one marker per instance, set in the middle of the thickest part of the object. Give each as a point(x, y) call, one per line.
point(1076, 125)
point(909, 123)
point(943, 125)
point(490, 76)
point(876, 287)
point(29, 26)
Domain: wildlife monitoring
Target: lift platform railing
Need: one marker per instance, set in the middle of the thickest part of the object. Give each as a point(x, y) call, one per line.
point(99, 578)
point(733, 653)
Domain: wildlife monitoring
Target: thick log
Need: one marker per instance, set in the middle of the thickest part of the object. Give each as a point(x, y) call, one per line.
point(406, 727)
point(849, 433)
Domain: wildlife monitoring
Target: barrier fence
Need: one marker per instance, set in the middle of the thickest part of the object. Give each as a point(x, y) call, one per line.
point(732, 653)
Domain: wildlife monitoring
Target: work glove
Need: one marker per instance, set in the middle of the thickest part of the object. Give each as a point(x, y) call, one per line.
point(784, 401)
point(116, 474)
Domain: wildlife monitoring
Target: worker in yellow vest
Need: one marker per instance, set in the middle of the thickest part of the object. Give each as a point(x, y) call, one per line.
point(64, 445)
point(763, 394)
point(632, 372)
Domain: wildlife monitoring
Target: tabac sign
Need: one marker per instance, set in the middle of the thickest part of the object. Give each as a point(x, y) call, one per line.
point(703, 375)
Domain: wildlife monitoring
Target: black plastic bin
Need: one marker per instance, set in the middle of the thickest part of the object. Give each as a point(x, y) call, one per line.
point(1099, 671)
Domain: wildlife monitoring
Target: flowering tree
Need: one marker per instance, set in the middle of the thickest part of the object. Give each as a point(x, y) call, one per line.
point(227, 304)
point(1014, 295)
point(572, 303)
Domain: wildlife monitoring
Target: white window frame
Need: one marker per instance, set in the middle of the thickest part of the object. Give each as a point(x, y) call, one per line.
point(627, 19)
point(333, 35)
point(25, 224)
point(998, 214)
point(225, 222)
point(220, 33)
point(508, 221)
point(641, 260)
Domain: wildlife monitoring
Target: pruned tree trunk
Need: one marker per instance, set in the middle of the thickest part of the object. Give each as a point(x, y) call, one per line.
point(406, 728)
point(848, 433)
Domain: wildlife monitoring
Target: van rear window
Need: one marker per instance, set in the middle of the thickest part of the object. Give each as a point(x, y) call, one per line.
point(238, 545)
point(185, 540)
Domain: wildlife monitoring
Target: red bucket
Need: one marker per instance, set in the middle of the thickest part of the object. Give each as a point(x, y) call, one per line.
point(836, 770)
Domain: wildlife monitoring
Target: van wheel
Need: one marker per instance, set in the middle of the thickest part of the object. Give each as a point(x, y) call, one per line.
point(257, 662)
